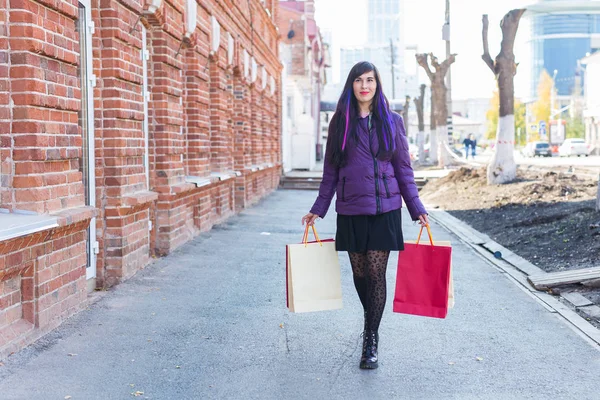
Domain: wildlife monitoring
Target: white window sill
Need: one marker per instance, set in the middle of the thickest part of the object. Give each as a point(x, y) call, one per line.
point(15, 224)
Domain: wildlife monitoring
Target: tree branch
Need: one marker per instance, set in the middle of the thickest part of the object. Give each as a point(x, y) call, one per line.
point(422, 61)
point(447, 62)
point(486, 48)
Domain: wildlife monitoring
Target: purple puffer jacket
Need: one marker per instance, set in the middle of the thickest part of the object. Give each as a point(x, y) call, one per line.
point(367, 185)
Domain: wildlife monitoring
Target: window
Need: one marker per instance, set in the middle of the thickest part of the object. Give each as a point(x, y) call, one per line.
point(85, 27)
point(146, 98)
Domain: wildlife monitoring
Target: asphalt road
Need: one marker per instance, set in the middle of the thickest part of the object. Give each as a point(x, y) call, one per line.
point(591, 161)
point(209, 322)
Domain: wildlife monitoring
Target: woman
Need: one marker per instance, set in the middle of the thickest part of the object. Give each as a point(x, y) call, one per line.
point(367, 164)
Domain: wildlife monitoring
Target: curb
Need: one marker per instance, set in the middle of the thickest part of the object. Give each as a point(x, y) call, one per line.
point(517, 269)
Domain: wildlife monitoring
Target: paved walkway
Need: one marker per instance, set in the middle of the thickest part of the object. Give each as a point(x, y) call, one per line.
point(209, 322)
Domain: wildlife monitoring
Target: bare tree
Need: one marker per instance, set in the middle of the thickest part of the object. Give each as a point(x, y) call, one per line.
point(433, 144)
point(405, 113)
point(419, 105)
point(502, 167)
point(438, 87)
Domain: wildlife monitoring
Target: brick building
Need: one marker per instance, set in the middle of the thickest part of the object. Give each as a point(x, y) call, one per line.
point(126, 128)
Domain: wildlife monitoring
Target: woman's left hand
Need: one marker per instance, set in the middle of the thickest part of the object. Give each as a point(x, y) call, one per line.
point(423, 220)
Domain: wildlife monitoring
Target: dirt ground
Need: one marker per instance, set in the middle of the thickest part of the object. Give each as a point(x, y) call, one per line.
point(545, 216)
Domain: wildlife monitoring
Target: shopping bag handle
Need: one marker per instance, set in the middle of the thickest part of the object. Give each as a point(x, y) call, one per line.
point(428, 233)
point(305, 237)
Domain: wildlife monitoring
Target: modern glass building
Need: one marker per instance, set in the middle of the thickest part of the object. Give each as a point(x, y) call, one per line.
point(385, 23)
point(562, 32)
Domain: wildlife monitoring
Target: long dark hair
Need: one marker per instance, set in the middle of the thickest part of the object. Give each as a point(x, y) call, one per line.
point(344, 122)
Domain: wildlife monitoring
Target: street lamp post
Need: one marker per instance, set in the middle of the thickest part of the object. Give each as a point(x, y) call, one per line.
point(446, 37)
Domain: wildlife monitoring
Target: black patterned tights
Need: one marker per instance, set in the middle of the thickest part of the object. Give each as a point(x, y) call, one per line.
point(369, 279)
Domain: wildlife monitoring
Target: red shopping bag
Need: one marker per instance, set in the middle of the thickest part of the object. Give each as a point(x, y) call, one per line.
point(423, 279)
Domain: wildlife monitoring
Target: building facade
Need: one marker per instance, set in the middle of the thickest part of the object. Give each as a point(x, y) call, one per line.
point(128, 127)
point(305, 56)
point(561, 33)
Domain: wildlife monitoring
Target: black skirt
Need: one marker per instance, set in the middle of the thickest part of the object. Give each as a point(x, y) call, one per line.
point(360, 233)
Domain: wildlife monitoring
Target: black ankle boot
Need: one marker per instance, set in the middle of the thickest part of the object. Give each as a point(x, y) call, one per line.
point(369, 354)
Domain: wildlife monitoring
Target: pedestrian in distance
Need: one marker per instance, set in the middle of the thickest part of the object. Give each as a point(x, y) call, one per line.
point(367, 165)
point(467, 144)
point(473, 145)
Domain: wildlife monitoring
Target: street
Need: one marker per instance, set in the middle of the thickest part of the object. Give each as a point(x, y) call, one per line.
point(209, 322)
point(590, 161)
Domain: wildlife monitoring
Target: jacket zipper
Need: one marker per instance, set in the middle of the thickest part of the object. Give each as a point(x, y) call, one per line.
point(376, 171)
point(387, 189)
point(344, 189)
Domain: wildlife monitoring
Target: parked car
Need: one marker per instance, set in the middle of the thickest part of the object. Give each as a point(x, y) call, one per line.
point(539, 149)
point(573, 147)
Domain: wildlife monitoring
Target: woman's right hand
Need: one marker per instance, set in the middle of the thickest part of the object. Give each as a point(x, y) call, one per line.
point(309, 219)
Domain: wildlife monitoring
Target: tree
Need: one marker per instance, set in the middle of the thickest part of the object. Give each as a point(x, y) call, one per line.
point(575, 128)
point(502, 167)
point(419, 105)
point(541, 108)
point(433, 143)
point(405, 114)
point(439, 90)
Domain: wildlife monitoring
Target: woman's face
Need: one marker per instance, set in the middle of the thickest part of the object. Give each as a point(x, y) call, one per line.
point(365, 87)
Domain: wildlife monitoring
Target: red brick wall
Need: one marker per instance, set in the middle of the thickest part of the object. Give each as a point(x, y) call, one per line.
point(206, 121)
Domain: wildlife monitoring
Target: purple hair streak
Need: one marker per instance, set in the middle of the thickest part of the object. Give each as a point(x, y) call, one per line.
point(347, 126)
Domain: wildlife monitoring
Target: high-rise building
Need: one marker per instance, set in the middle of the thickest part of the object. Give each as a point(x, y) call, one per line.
point(562, 32)
point(384, 47)
point(386, 19)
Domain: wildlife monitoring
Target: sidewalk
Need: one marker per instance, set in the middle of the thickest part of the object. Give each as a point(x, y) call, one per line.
point(209, 322)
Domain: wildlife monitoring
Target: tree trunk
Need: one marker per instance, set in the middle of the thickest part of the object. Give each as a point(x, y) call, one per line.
point(433, 143)
point(444, 157)
point(502, 167)
point(419, 105)
point(405, 115)
point(439, 109)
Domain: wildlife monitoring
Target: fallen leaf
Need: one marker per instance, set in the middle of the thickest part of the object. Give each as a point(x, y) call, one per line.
point(281, 326)
point(138, 393)
point(479, 358)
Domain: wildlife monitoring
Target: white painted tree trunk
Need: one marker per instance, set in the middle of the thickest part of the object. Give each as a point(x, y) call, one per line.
point(421, 145)
point(444, 156)
point(502, 168)
point(433, 146)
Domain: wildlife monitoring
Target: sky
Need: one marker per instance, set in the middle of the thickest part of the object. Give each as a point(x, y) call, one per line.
point(471, 78)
